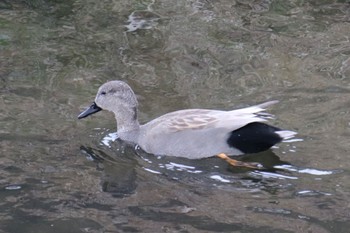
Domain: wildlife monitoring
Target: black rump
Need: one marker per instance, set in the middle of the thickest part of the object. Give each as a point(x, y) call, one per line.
point(254, 137)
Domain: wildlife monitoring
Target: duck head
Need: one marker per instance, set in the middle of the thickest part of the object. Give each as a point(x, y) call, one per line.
point(114, 96)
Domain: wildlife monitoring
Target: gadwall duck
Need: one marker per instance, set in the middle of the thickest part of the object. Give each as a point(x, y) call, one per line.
point(190, 133)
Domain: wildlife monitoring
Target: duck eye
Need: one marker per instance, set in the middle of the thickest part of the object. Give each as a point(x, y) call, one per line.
point(103, 93)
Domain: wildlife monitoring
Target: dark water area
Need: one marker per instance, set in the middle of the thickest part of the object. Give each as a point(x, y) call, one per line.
point(60, 174)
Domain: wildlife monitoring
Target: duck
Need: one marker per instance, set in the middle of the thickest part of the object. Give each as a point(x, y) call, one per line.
point(190, 133)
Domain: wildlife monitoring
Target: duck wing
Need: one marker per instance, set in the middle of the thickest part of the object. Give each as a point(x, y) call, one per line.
point(198, 132)
point(196, 119)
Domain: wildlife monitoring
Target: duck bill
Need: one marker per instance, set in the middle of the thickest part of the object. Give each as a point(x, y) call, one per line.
point(89, 111)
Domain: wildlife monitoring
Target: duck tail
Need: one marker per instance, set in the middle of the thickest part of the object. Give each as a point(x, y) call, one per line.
point(267, 104)
point(286, 134)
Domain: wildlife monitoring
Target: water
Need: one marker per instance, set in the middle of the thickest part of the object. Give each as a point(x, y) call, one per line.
point(59, 174)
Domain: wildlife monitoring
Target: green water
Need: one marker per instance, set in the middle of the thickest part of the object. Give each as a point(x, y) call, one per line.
point(58, 174)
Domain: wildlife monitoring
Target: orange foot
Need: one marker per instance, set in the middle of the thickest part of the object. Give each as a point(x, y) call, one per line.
point(237, 163)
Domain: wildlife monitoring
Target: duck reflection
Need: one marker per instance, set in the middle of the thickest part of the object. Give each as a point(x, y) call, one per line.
point(119, 175)
point(120, 169)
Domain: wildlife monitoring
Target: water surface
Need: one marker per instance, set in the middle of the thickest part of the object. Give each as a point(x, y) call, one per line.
point(59, 174)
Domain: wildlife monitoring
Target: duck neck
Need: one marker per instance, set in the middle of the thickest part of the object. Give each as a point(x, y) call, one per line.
point(127, 120)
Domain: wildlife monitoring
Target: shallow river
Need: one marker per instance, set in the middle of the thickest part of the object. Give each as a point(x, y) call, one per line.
point(58, 174)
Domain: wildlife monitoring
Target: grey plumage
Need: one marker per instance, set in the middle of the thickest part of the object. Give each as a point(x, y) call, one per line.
point(191, 133)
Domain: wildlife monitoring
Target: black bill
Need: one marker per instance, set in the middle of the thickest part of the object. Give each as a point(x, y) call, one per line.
point(91, 110)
